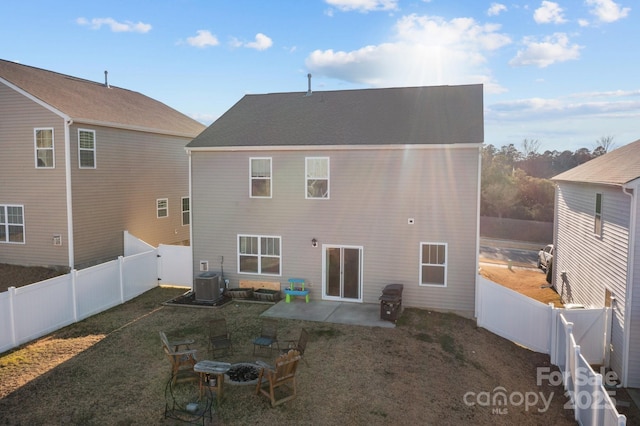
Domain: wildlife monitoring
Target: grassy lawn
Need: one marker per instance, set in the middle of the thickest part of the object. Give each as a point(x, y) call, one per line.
point(431, 369)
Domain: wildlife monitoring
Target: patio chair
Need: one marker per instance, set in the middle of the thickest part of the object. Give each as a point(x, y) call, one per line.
point(268, 335)
point(282, 375)
point(182, 361)
point(219, 336)
point(300, 345)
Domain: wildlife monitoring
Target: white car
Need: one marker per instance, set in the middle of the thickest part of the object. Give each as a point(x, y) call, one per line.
point(545, 256)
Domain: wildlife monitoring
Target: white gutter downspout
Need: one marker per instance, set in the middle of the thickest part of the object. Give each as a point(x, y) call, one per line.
point(190, 219)
point(629, 284)
point(478, 201)
point(67, 167)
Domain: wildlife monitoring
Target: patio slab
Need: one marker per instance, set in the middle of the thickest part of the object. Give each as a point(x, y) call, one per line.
point(364, 314)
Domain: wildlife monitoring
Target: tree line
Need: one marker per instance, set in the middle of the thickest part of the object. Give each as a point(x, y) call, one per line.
point(516, 183)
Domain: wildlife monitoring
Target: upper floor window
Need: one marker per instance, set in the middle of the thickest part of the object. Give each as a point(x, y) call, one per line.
point(597, 223)
point(87, 149)
point(185, 211)
point(162, 207)
point(43, 140)
point(259, 254)
point(260, 177)
point(317, 177)
point(11, 224)
point(433, 264)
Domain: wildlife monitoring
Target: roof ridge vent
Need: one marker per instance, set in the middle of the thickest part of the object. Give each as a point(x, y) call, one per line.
point(309, 92)
point(106, 80)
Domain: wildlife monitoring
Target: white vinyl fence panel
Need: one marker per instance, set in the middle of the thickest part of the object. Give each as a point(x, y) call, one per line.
point(514, 316)
point(175, 265)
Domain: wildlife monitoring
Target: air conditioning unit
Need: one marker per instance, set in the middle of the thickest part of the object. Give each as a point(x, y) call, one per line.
point(207, 287)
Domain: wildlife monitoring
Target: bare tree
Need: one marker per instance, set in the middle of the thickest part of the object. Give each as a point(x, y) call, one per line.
point(530, 147)
point(603, 145)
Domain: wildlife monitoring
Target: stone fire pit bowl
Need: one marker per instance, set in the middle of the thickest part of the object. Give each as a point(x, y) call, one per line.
point(242, 373)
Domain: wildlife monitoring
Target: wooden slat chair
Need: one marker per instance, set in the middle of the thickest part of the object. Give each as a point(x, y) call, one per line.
point(299, 345)
point(182, 361)
point(282, 375)
point(268, 335)
point(219, 336)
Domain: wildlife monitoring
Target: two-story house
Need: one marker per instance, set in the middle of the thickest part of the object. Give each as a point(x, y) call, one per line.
point(349, 190)
point(597, 247)
point(82, 162)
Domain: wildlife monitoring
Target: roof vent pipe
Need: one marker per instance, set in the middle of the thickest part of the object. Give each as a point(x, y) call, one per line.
point(309, 89)
point(106, 81)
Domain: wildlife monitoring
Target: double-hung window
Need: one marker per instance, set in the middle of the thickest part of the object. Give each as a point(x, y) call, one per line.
point(11, 224)
point(317, 177)
point(433, 264)
point(86, 149)
point(186, 209)
point(597, 222)
point(162, 207)
point(258, 254)
point(260, 177)
point(43, 141)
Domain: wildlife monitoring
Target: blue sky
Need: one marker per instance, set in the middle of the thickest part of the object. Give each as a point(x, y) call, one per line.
point(564, 73)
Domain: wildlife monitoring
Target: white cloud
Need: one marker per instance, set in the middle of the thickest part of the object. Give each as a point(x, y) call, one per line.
point(203, 39)
point(262, 42)
point(363, 5)
point(549, 13)
point(116, 27)
point(607, 10)
point(554, 48)
point(595, 104)
point(427, 51)
point(496, 8)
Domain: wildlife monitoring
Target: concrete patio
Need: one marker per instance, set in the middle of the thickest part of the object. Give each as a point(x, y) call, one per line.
point(364, 314)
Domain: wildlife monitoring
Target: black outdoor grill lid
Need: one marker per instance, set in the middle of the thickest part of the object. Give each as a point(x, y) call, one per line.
point(390, 298)
point(395, 289)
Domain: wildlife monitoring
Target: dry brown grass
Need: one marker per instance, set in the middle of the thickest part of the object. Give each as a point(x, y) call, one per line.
point(109, 369)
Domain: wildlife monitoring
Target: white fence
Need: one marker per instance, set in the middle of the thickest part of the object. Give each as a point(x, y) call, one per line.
point(35, 310)
point(546, 329)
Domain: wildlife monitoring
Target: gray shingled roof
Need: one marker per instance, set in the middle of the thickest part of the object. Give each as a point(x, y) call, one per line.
point(407, 115)
point(88, 101)
point(617, 167)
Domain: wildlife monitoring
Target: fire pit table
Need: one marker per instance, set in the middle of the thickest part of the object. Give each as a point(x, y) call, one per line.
point(212, 375)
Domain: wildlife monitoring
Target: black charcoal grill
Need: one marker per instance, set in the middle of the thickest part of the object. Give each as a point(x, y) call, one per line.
point(391, 302)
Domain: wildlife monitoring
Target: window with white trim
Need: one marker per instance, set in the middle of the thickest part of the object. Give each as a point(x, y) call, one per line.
point(317, 177)
point(260, 177)
point(597, 220)
point(259, 254)
point(11, 224)
point(433, 264)
point(186, 209)
point(162, 207)
point(86, 149)
point(43, 141)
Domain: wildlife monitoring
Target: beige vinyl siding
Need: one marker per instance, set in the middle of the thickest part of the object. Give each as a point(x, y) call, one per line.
point(634, 320)
point(40, 191)
point(593, 263)
point(373, 194)
point(133, 170)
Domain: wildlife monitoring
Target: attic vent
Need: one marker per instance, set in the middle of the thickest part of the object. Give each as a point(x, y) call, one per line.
point(106, 80)
point(309, 89)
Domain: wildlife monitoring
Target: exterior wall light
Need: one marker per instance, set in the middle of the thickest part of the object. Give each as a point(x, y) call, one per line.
point(314, 243)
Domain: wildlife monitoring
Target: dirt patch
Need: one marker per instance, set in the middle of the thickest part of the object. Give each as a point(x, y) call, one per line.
point(527, 281)
point(18, 276)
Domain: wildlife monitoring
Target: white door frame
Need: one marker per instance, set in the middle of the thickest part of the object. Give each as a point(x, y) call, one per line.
point(360, 272)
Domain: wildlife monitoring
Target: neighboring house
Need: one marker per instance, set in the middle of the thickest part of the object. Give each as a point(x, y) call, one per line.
point(350, 190)
point(81, 163)
point(597, 247)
